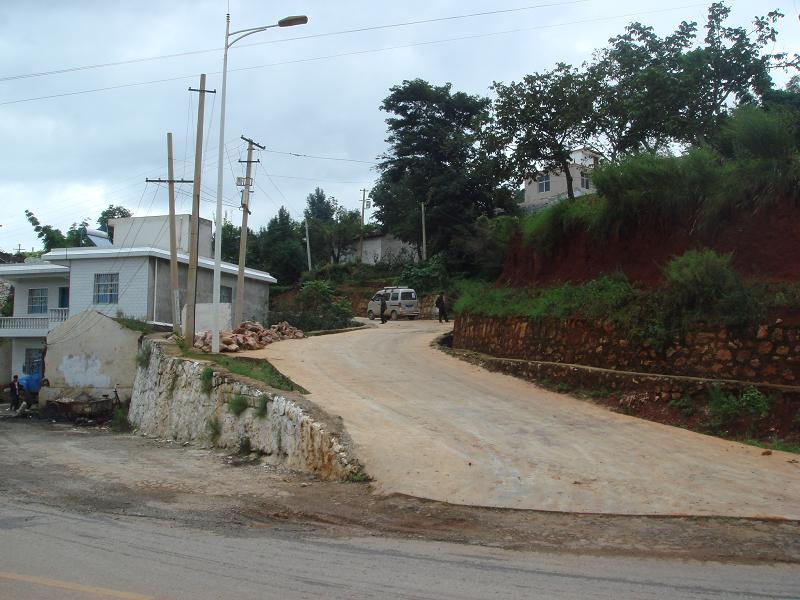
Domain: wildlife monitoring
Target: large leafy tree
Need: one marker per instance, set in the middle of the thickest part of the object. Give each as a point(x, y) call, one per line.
point(332, 228)
point(53, 237)
point(539, 120)
point(112, 212)
point(278, 248)
point(434, 158)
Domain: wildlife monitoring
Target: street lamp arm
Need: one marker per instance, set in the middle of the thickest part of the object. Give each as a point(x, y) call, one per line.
point(246, 32)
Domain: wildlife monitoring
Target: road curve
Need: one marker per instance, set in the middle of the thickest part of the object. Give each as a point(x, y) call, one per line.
point(429, 425)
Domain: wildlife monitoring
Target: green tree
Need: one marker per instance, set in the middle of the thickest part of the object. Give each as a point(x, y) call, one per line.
point(435, 158)
point(52, 237)
point(332, 228)
point(538, 121)
point(112, 212)
point(279, 249)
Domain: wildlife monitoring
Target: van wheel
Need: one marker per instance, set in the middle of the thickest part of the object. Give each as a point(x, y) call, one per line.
point(394, 315)
point(370, 315)
point(412, 317)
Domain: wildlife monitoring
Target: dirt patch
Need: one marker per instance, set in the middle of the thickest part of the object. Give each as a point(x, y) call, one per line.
point(92, 471)
point(765, 245)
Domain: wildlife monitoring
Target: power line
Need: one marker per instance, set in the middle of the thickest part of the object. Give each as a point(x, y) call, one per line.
point(355, 53)
point(300, 155)
point(291, 39)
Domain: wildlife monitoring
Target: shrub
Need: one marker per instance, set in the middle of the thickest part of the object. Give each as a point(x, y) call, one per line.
point(207, 380)
point(237, 405)
point(428, 276)
point(214, 428)
point(119, 420)
point(245, 446)
point(684, 404)
point(316, 308)
point(261, 407)
point(725, 408)
point(143, 354)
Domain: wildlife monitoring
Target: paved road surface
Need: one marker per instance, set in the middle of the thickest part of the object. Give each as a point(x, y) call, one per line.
point(54, 555)
point(429, 425)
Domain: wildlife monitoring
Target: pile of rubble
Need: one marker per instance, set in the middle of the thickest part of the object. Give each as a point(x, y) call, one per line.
point(248, 336)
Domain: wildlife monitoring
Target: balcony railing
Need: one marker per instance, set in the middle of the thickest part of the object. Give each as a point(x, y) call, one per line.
point(45, 324)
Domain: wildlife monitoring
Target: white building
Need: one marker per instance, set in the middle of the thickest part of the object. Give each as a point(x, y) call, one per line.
point(384, 247)
point(129, 277)
point(552, 187)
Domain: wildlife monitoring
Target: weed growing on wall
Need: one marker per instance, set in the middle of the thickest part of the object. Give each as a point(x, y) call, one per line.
point(119, 421)
point(237, 405)
point(261, 407)
point(725, 408)
point(214, 428)
point(245, 446)
point(143, 354)
point(207, 380)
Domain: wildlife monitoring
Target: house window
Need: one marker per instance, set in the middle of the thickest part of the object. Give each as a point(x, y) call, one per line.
point(106, 288)
point(37, 301)
point(33, 361)
point(225, 294)
point(544, 183)
point(585, 180)
point(63, 297)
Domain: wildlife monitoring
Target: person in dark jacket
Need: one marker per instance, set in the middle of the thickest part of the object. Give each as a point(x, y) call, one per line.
point(383, 308)
point(441, 307)
point(14, 390)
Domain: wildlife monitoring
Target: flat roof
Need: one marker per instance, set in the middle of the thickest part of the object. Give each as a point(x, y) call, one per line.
point(62, 255)
point(26, 270)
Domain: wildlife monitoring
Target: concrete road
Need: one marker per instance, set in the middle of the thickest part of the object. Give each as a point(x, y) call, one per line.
point(429, 425)
point(51, 554)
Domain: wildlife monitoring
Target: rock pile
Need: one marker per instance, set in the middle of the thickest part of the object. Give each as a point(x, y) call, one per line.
point(248, 336)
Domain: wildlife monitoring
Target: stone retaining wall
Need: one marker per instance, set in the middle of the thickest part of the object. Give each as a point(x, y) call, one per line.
point(765, 354)
point(168, 401)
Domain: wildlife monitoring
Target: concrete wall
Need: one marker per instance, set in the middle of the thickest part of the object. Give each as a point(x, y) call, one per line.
point(169, 402)
point(5, 360)
point(558, 187)
point(154, 232)
point(18, 347)
point(386, 248)
point(93, 353)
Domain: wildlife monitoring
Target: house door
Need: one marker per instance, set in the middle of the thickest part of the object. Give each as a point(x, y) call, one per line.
point(63, 297)
point(33, 360)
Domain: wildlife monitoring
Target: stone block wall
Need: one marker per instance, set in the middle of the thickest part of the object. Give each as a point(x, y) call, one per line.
point(769, 353)
point(168, 401)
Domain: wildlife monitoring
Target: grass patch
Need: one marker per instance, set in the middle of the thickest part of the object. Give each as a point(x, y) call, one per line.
point(261, 407)
point(358, 476)
point(257, 369)
point(684, 405)
point(134, 324)
point(774, 444)
point(238, 404)
point(143, 355)
point(207, 380)
point(119, 421)
point(214, 428)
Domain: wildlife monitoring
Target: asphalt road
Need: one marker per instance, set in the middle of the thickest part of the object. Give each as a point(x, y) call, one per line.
point(429, 425)
point(50, 554)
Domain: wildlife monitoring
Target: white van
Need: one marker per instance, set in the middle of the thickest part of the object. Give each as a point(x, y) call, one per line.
point(400, 302)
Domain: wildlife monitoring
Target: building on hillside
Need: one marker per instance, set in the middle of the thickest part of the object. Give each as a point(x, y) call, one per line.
point(384, 247)
point(552, 186)
point(128, 277)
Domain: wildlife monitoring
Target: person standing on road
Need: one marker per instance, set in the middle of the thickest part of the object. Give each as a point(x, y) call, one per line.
point(14, 390)
point(383, 308)
point(441, 307)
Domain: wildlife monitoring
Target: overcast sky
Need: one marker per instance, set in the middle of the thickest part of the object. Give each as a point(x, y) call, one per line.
point(310, 89)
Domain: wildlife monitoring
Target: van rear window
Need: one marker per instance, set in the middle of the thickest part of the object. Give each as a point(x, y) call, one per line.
point(408, 296)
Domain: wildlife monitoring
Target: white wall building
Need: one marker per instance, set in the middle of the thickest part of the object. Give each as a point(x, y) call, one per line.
point(126, 278)
point(384, 247)
point(552, 187)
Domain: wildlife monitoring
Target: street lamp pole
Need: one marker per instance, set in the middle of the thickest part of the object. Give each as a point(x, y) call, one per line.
point(236, 35)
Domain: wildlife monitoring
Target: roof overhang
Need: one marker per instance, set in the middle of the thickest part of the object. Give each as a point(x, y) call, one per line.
point(21, 271)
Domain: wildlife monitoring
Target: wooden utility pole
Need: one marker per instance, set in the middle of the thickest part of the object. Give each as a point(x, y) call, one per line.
point(424, 241)
point(308, 246)
point(173, 244)
point(237, 312)
point(361, 238)
point(194, 231)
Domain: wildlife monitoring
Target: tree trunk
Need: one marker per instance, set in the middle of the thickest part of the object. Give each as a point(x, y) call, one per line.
point(568, 173)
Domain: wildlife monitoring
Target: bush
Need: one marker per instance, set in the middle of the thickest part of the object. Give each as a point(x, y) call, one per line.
point(428, 276)
point(143, 354)
point(261, 407)
point(316, 308)
point(726, 408)
point(119, 421)
point(237, 405)
point(702, 285)
point(207, 380)
point(214, 428)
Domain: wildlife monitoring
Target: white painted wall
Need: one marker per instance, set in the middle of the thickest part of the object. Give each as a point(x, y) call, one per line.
point(386, 247)
point(153, 232)
point(134, 275)
point(18, 346)
point(22, 286)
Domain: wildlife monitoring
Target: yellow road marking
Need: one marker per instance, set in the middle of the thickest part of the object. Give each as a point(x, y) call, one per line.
point(75, 587)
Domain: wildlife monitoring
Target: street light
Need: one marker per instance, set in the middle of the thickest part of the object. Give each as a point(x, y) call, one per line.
point(242, 33)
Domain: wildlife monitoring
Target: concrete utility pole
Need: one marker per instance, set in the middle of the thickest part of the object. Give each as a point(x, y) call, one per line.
point(248, 181)
point(424, 241)
point(361, 238)
point(173, 244)
point(194, 232)
point(308, 247)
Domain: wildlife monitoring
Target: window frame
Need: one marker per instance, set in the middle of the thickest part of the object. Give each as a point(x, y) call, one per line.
point(543, 183)
point(586, 182)
point(35, 304)
point(105, 291)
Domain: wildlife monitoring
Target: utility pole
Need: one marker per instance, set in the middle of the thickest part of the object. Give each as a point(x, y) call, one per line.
point(194, 232)
point(361, 239)
point(308, 246)
point(424, 241)
point(173, 243)
point(237, 313)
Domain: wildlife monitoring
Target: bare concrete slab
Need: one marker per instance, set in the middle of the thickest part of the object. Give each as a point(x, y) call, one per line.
point(429, 425)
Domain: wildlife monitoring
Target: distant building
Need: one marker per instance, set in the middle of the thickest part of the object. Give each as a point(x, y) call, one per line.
point(129, 276)
point(384, 247)
point(552, 186)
